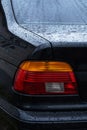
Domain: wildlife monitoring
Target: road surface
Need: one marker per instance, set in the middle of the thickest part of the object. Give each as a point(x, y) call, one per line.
point(51, 11)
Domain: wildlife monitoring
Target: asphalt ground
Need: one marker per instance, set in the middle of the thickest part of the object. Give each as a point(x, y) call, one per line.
point(51, 11)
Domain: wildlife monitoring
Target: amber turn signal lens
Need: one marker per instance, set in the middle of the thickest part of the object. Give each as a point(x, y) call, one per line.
point(46, 66)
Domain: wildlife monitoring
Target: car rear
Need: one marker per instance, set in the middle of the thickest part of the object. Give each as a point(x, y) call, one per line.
point(43, 86)
point(50, 93)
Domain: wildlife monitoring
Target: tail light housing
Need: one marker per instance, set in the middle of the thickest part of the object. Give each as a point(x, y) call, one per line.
point(45, 78)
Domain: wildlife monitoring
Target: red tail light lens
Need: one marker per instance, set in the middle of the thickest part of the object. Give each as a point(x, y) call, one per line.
point(36, 78)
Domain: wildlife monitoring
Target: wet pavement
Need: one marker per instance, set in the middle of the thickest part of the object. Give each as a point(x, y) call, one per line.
point(51, 11)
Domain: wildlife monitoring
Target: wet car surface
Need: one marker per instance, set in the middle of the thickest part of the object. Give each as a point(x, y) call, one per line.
point(43, 41)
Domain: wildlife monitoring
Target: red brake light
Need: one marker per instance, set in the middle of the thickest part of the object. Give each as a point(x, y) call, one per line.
point(45, 78)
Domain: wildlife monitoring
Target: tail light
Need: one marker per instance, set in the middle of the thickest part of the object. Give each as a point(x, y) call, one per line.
point(47, 78)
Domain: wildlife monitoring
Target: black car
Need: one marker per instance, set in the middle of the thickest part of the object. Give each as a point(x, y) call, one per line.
point(43, 64)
